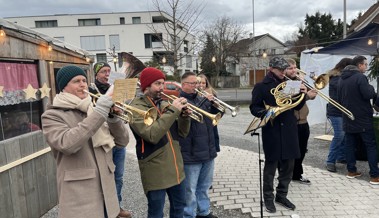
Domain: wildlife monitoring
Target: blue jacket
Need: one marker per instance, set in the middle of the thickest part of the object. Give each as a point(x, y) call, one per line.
point(199, 145)
point(355, 94)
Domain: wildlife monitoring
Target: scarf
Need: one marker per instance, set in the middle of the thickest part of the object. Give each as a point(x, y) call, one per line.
point(102, 136)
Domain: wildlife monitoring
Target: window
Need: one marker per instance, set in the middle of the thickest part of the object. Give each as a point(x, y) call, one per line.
point(46, 23)
point(185, 46)
point(153, 40)
point(273, 51)
point(18, 115)
point(101, 57)
point(122, 20)
point(114, 40)
point(159, 19)
point(92, 43)
point(188, 61)
point(136, 20)
point(89, 22)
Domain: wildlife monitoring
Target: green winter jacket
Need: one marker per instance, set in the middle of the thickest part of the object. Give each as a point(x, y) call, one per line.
point(157, 146)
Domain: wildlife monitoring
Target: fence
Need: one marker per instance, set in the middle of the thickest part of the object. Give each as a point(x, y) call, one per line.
point(27, 176)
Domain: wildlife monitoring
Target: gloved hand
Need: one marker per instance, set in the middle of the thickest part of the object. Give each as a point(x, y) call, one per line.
point(103, 105)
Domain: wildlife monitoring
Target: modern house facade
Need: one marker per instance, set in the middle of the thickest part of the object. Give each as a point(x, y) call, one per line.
point(106, 35)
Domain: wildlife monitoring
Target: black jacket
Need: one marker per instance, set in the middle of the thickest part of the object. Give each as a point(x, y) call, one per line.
point(333, 94)
point(199, 145)
point(355, 93)
point(280, 138)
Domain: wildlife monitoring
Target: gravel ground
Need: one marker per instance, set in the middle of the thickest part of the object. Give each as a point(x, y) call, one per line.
point(231, 134)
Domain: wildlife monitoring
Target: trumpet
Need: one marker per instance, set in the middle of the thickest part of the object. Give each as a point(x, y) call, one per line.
point(197, 113)
point(220, 105)
point(320, 82)
point(149, 116)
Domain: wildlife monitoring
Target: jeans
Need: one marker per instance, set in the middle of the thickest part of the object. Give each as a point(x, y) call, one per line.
point(368, 139)
point(337, 146)
point(119, 162)
point(198, 180)
point(156, 200)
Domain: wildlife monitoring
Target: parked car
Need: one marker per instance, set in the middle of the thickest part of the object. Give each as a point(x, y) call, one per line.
point(171, 88)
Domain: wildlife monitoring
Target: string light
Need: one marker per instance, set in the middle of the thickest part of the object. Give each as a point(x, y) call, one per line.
point(213, 59)
point(369, 42)
point(49, 47)
point(164, 60)
point(2, 32)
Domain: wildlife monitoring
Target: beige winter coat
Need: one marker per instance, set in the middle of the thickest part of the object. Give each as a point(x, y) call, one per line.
point(84, 174)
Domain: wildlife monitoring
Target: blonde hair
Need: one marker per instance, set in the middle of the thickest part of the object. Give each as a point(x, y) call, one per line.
point(207, 84)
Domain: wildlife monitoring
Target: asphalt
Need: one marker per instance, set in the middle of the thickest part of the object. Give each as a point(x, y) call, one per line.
point(236, 186)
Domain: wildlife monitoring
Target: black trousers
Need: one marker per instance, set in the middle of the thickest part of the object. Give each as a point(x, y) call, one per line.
point(284, 178)
point(303, 133)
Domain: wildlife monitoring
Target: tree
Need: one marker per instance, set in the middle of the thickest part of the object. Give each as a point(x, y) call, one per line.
point(224, 33)
point(180, 28)
point(321, 28)
point(206, 64)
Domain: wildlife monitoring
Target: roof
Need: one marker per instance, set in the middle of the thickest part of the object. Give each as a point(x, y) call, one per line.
point(37, 35)
point(356, 43)
point(242, 46)
point(370, 16)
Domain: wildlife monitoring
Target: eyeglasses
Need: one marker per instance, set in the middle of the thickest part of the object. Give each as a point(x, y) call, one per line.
point(192, 84)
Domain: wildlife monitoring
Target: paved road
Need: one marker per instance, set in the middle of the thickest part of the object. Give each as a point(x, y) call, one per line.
point(235, 192)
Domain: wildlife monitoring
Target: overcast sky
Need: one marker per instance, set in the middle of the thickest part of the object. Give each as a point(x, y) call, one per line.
point(280, 18)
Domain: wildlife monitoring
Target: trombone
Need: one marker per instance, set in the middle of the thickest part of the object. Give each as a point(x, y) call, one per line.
point(220, 105)
point(197, 113)
point(320, 82)
point(149, 116)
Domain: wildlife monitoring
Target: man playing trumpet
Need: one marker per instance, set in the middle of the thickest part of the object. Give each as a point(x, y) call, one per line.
point(157, 148)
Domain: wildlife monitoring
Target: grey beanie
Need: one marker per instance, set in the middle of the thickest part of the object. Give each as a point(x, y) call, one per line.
point(279, 63)
point(66, 73)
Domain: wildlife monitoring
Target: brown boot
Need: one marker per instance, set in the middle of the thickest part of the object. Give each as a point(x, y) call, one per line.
point(124, 214)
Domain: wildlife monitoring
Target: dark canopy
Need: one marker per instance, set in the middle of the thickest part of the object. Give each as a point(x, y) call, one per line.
point(356, 43)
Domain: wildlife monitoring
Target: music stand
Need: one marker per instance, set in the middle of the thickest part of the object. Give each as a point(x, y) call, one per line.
point(260, 170)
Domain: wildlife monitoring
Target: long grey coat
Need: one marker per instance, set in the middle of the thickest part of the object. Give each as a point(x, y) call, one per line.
point(85, 175)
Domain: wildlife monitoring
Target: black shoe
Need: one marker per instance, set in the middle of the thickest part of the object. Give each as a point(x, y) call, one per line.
point(331, 167)
point(303, 180)
point(270, 206)
point(210, 215)
point(285, 203)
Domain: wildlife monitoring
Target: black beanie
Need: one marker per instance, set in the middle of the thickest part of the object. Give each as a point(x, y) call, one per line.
point(66, 73)
point(97, 67)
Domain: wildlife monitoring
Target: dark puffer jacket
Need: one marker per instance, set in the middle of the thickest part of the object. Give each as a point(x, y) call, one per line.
point(355, 93)
point(333, 94)
point(199, 146)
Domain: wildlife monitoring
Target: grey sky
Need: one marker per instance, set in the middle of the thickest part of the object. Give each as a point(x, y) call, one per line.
point(280, 18)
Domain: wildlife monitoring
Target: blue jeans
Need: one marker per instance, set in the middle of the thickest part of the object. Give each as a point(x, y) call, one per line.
point(119, 162)
point(156, 200)
point(368, 139)
point(198, 180)
point(337, 146)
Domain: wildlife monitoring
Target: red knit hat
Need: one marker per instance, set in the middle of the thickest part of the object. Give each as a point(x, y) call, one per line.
point(150, 75)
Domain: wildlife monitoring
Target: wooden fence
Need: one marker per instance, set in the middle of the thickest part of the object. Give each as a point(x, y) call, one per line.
point(27, 177)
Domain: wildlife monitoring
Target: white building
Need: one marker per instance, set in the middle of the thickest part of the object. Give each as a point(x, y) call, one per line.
point(105, 35)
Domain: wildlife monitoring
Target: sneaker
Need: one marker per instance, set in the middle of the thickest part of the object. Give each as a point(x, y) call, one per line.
point(302, 180)
point(285, 203)
point(374, 181)
point(352, 175)
point(124, 214)
point(331, 167)
point(270, 206)
point(210, 215)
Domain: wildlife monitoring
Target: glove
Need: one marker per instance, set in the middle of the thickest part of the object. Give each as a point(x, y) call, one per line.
point(103, 105)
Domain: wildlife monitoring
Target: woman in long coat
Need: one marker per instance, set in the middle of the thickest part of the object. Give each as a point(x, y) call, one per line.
point(81, 138)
